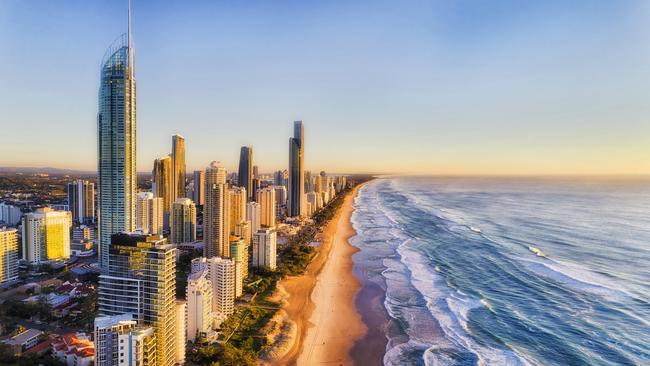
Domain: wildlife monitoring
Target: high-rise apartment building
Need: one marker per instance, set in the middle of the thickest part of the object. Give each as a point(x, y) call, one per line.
point(141, 281)
point(243, 230)
point(238, 198)
point(149, 213)
point(46, 235)
point(200, 313)
point(81, 201)
point(221, 272)
point(116, 132)
point(264, 248)
point(183, 221)
point(181, 328)
point(239, 254)
point(107, 331)
point(10, 215)
point(254, 215)
point(8, 255)
point(280, 199)
point(266, 199)
point(245, 174)
point(216, 213)
point(198, 195)
point(296, 201)
point(178, 167)
point(162, 182)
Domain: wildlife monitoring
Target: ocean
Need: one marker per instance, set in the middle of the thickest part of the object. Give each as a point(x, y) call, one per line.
point(509, 271)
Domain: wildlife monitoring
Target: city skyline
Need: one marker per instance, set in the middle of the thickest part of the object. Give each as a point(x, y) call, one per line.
point(397, 107)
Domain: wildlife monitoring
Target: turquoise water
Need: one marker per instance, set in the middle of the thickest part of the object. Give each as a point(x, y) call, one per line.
point(509, 271)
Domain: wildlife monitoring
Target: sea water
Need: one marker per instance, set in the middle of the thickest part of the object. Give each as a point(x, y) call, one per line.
point(509, 271)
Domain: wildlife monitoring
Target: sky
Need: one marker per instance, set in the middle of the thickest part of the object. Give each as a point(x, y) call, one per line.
point(409, 86)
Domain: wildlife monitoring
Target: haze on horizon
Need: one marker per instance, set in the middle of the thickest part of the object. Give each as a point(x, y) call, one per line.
point(424, 87)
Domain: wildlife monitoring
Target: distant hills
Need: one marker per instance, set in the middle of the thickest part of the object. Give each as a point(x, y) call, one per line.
point(46, 170)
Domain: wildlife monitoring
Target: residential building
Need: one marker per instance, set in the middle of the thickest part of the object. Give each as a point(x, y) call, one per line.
point(162, 183)
point(200, 313)
point(106, 332)
point(141, 280)
point(238, 197)
point(46, 235)
point(23, 341)
point(74, 349)
point(181, 328)
point(266, 199)
point(239, 254)
point(81, 201)
point(138, 347)
point(221, 272)
point(10, 215)
point(183, 221)
point(254, 215)
point(8, 255)
point(149, 213)
point(243, 230)
point(264, 248)
point(216, 213)
point(198, 195)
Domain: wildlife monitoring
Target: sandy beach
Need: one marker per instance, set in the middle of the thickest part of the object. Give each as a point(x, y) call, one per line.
point(320, 303)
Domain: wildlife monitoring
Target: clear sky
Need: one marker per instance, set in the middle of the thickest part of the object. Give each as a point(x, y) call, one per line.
point(411, 86)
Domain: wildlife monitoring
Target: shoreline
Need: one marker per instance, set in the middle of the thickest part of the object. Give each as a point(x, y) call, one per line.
point(310, 300)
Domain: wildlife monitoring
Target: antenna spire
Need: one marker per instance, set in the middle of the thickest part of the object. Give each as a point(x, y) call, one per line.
point(128, 34)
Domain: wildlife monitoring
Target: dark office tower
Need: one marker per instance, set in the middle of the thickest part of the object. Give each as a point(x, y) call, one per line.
point(81, 201)
point(245, 176)
point(178, 167)
point(296, 202)
point(278, 178)
point(255, 172)
point(199, 187)
point(116, 133)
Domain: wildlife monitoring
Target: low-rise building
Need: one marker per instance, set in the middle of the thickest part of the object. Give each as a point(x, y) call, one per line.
point(74, 349)
point(23, 341)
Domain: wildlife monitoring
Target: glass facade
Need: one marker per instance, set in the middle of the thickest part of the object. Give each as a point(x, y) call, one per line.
point(116, 121)
point(296, 204)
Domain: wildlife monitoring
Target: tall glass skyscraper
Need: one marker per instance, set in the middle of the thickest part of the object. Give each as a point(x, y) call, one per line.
point(116, 133)
point(245, 175)
point(178, 162)
point(296, 202)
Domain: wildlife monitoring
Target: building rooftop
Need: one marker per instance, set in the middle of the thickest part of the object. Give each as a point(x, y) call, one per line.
point(23, 337)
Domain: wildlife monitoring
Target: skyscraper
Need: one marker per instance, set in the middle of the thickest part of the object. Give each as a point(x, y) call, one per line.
point(296, 201)
point(178, 167)
point(46, 235)
point(183, 221)
point(216, 213)
point(8, 255)
point(239, 254)
point(81, 201)
point(245, 176)
point(141, 280)
point(266, 199)
point(238, 198)
point(162, 176)
point(149, 213)
point(116, 147)
point(199, 188)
